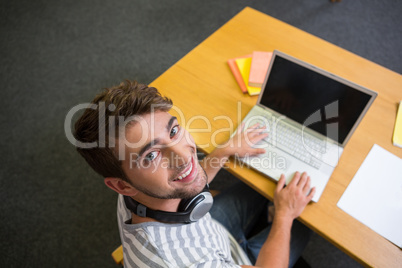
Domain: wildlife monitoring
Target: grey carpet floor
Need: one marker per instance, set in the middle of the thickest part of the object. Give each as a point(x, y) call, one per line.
point(55, 211)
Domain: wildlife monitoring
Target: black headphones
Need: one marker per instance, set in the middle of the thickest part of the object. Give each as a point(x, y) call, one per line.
point(190, 210)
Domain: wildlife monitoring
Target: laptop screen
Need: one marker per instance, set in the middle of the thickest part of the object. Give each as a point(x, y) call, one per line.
point(304, 94)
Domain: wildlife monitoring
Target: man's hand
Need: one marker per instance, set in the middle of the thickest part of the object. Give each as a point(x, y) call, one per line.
point(291, 200)
point(289, 203)
point(241, 144)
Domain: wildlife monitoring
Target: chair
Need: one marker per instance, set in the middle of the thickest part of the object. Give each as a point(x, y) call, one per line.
point(117, 255)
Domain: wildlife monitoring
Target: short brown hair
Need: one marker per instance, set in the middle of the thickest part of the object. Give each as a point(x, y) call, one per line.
point(127, 99)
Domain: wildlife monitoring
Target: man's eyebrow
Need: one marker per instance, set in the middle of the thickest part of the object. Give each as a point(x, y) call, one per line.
point(147, 146)
point(170, 123)
point(157, 141)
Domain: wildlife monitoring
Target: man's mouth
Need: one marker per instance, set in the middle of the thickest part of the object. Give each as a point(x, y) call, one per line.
point(187, 173)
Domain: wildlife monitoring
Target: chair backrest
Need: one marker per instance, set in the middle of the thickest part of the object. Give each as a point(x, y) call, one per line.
point(117, 255)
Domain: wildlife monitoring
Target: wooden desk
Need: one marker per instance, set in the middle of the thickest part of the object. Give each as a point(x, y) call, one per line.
point(208, 99)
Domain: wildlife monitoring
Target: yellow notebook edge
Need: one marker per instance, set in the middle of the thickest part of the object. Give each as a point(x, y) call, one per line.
point(244, 67)
point(397, 136)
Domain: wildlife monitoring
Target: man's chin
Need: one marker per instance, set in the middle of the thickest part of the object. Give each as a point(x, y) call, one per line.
point(182, 190)
point(197, 186)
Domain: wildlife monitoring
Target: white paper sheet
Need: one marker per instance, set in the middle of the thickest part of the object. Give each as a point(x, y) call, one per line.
point(374, 197)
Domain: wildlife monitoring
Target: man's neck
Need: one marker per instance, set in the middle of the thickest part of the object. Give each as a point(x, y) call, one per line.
point(135, 219)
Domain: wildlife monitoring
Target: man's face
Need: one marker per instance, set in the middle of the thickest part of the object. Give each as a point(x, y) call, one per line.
point(161, 158)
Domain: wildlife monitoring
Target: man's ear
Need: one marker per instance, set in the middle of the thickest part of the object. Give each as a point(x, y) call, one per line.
point(120, 186)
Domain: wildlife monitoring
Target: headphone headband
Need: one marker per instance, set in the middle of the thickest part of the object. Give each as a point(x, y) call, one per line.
point(190, 210)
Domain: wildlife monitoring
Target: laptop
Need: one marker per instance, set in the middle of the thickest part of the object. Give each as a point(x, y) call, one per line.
point(310, 115)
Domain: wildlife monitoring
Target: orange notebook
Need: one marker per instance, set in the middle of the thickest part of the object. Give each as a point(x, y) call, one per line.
point(259, 67)
point(236, 73)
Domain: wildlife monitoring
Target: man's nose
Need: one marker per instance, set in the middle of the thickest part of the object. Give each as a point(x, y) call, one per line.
point(178, 156)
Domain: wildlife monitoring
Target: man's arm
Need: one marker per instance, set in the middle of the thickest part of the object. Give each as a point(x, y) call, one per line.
point(240, 145)
point(289, 203)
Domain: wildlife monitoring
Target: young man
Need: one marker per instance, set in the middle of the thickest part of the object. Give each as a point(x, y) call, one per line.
point(129, 138)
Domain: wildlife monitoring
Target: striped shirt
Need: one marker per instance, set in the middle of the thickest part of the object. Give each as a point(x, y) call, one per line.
point(204, 243)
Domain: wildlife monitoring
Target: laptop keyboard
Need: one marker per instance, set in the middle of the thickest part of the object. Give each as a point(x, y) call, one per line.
point(291, 140)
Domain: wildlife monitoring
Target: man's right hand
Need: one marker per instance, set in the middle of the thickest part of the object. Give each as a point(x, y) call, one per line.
point(291, 200)
point(289, 203)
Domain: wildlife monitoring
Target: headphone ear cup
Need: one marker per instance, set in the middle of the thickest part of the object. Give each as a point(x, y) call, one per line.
point(198, 206)
point(185, 204)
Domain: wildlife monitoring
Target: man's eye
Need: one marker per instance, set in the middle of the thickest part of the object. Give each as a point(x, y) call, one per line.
point(174, 131)
point(151, 156)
